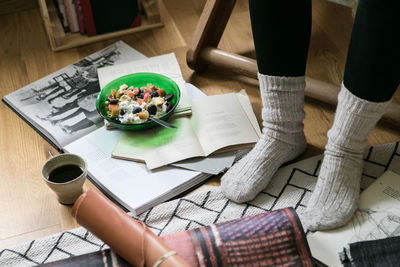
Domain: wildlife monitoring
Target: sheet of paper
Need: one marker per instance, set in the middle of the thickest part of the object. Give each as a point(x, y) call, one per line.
point(220, 121)
point(378, 216)
point(245, 102)
point(159, 146)
point(212, 164)
point(165, 64)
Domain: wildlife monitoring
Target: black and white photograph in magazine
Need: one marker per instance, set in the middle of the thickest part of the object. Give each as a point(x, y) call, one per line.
point(64, 102)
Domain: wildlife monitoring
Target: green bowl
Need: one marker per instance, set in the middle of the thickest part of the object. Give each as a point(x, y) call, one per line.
point(138, 80)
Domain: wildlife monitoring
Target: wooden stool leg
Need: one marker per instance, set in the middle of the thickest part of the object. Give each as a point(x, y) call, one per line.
point(209, 30)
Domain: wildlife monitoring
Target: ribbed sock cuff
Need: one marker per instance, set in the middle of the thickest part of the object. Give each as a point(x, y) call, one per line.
point(287, 84)
point(354, 104)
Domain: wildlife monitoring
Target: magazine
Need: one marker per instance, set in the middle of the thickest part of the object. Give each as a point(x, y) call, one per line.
point(61, 107)
point(377, 217)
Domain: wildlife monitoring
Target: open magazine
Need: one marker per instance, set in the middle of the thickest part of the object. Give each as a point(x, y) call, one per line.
point(377, 217)
point(61, 107)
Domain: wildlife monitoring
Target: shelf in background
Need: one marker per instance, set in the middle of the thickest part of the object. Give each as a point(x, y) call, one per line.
point(60, 40)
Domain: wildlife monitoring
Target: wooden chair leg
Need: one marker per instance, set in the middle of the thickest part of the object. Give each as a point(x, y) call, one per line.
point(203, 51)
point(209, 30)
point(315, 89)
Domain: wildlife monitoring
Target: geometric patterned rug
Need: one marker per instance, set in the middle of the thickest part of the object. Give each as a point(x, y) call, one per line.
point(291, 186)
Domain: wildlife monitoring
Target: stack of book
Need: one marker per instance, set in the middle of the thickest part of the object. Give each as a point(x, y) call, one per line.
point(61, 107)
point(217, 124)
point(95, 17)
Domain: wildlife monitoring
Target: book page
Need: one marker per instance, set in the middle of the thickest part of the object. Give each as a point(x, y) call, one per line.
point(220, 121)
point(165, 64)
point(130, 183)
point(378, 216)
point(245, 102)
point(159, 146)
point(62, 105)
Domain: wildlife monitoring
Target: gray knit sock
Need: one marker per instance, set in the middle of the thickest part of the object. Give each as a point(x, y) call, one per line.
point(282, 138)
point(336, 195)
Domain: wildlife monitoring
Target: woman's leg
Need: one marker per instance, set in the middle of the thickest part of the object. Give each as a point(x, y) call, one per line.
point(281, 31)
point(371, 77)
point(373, 62)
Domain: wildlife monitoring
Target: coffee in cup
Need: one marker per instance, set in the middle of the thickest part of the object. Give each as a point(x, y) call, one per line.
point(65, 174)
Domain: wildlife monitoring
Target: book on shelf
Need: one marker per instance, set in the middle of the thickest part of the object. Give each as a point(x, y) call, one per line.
point(62, 14)
point(61, 108)
point(219, 123)
point(79, 15)
point(72, 17)
point(152, 10)
point(105, 16)
point(377, 217)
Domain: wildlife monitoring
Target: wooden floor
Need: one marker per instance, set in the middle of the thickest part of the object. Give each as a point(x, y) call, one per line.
point(29, 209)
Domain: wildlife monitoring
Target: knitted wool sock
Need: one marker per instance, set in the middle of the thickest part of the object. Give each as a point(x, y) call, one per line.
point(282, 138)
point(336, 195)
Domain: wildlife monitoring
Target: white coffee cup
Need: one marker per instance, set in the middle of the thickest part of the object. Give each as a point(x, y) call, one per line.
point(61, 174)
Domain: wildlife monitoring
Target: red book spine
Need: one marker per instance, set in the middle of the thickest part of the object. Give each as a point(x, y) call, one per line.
point(88, 17)
point(136, 22)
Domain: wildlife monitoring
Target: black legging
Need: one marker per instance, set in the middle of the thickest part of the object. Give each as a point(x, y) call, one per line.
point(282, 29)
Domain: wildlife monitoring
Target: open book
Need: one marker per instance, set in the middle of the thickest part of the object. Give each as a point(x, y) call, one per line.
point(218, 123)
point(377, 217)
point(61, 107)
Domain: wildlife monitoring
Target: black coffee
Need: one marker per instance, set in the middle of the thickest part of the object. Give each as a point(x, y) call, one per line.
point(65, 173)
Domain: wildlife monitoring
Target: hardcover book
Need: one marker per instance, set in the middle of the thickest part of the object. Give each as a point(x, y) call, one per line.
point(71, 15)
point(79, 14)
point(62, 14)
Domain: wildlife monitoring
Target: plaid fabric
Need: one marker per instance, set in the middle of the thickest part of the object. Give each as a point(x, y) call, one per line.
point(270, 239)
